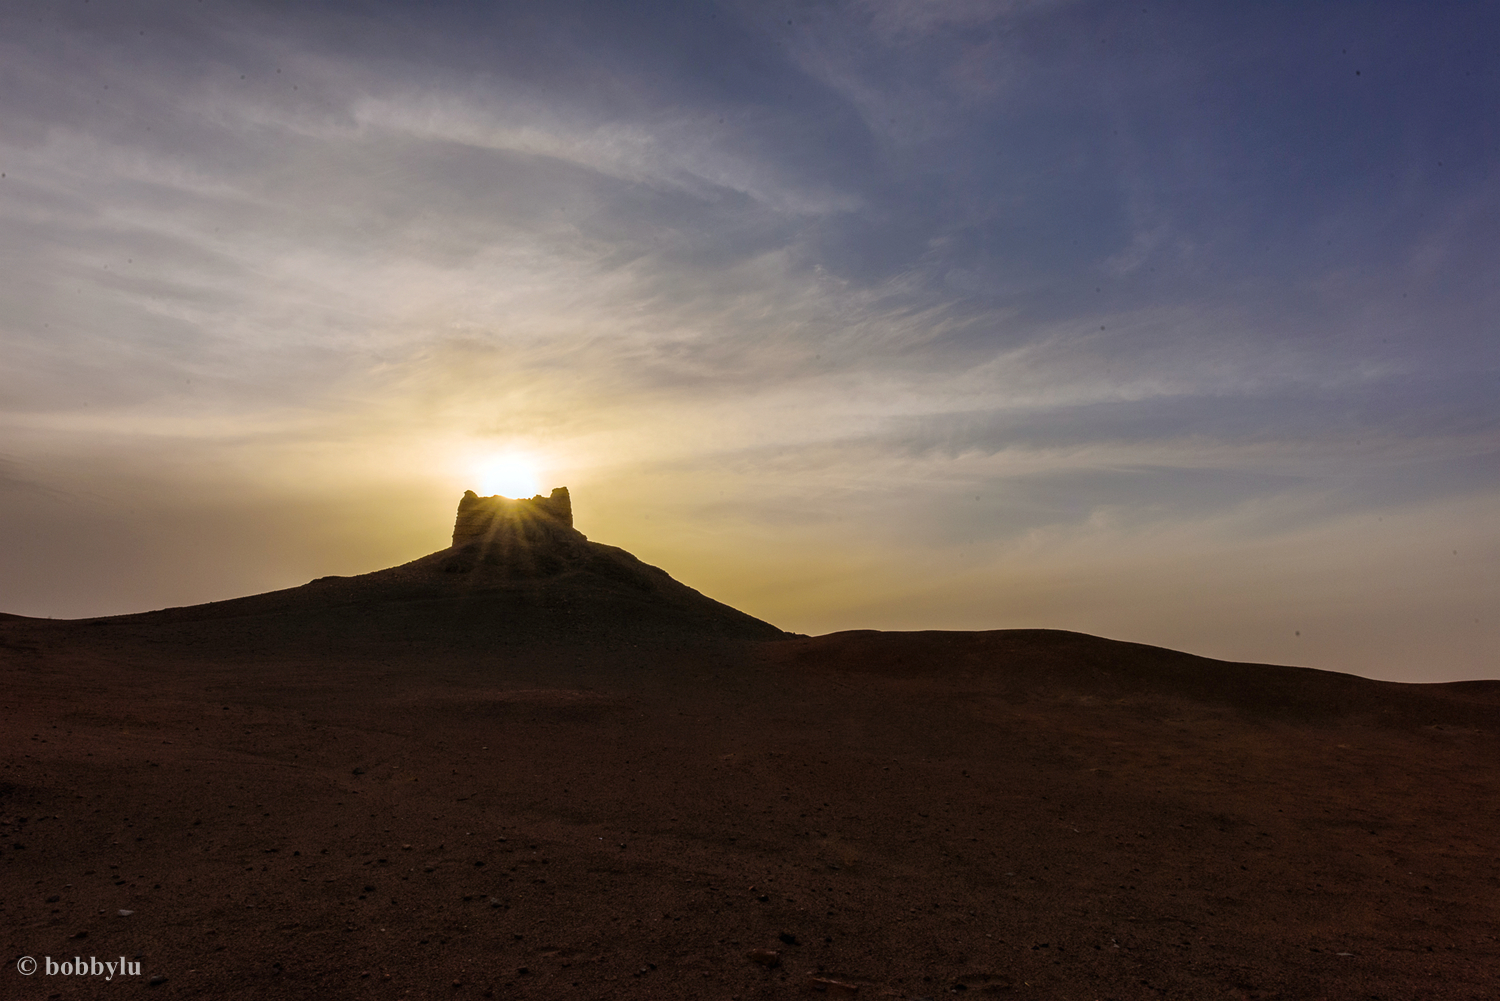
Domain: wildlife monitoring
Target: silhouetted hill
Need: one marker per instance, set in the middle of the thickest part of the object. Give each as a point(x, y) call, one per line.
point(518, 572)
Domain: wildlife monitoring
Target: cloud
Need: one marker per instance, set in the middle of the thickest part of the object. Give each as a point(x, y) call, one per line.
point(964, 278)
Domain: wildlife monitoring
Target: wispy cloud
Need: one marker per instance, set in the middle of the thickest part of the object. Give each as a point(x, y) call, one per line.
point(872, 284)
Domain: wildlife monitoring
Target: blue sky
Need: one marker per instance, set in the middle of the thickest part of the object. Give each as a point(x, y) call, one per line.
point(1168, 322)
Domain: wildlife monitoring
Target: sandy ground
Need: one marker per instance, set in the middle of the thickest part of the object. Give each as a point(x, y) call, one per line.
point(1015, 814)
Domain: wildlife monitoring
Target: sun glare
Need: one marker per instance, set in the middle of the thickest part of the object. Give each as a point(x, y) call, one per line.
point(509, 476)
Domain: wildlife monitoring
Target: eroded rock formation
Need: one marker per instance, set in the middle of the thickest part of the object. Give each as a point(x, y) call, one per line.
point(523, 537)
point(482, 518)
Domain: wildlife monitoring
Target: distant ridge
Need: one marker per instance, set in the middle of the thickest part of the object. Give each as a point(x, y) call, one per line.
point(1053, 664)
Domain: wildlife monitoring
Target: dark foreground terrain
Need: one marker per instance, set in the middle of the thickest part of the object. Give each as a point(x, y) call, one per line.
point(449, 785)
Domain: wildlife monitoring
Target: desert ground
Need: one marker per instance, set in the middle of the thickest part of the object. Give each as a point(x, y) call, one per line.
point(577, 778)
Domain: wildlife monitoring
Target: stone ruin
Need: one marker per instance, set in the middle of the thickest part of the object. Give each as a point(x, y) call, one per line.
point(521, 537)
point(481, 519)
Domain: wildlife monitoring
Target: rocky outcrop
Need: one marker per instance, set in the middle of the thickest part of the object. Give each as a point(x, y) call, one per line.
point(482, 518)
point(520, 537)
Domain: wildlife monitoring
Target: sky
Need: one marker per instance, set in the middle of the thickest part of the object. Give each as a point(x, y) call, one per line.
point(1169, 322)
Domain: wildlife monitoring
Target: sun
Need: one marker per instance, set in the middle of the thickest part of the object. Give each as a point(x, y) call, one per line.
point(510, 475)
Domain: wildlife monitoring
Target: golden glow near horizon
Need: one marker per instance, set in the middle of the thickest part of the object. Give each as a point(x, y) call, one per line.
point(509, 474)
